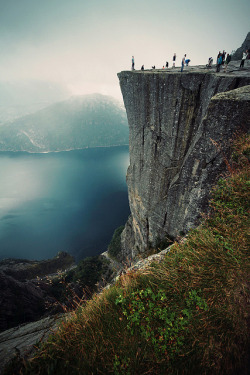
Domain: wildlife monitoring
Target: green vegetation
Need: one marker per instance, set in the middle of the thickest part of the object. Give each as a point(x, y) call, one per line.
point(115, 244)
point(89, 272)
point(163, 328)
point(184, 315)
point(80, 282)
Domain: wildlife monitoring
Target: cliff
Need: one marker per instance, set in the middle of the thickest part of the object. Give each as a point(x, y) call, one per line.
point(174, 119)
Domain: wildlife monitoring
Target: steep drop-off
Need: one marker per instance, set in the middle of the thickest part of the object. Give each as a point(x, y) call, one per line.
point(174, 119)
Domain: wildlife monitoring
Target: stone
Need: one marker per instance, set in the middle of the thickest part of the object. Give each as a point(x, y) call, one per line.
point(22, 340)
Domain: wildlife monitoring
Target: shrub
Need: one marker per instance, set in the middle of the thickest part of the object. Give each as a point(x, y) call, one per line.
point(114, 247)
point(89, 272)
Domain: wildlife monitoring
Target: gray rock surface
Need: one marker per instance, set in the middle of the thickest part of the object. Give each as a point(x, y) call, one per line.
point(173, 124)
point(21, 340)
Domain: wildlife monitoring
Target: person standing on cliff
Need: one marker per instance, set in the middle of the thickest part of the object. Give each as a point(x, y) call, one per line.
point(133, 63)
point(219, 62)
point(174, 58)
point(244, 56)
point(223, 57)
point(183, 62)
point(228, 59)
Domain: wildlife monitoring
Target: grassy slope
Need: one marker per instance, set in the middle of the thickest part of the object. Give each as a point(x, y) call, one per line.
point(185, 315)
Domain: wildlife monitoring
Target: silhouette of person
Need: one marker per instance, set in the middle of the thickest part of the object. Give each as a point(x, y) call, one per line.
point(244, 56)
point(210, 62)
point(133, 63)
point(228, 59)
point(219, 62)
point(183, 62)
point(223, 57)
point(174, 58)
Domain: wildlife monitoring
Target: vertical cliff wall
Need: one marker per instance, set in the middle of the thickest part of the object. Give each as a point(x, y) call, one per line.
point(172, 119)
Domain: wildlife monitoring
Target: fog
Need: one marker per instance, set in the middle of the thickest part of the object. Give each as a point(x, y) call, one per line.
point(81, 45)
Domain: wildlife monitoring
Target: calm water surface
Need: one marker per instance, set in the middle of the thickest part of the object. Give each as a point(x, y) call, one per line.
point(70, 201)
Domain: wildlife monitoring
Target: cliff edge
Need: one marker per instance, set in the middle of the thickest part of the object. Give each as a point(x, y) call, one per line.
point(175, 119)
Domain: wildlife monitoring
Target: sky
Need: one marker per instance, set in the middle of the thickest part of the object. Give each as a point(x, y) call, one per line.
point(83, 44)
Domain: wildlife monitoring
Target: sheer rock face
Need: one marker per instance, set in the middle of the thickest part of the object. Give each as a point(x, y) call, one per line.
point(172, 119)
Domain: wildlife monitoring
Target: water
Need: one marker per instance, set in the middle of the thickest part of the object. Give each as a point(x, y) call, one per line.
point(67, 201)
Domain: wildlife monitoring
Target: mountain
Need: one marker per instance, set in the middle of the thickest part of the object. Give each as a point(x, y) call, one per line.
point(80, 122)
point(25, 97)
point(237, 55)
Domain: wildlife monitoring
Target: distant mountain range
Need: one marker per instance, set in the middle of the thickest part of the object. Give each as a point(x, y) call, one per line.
point(80, 122)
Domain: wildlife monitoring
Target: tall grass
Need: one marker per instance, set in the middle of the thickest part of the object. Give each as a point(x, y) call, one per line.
point(184, 315)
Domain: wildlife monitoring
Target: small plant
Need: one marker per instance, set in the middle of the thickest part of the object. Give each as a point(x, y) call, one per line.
point(121, 366)
point(147, 312)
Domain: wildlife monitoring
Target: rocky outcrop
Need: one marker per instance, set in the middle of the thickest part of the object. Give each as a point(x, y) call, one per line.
point(174, 120)
point(21, 341)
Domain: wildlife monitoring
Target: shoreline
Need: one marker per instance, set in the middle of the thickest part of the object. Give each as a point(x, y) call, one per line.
point(57, 151)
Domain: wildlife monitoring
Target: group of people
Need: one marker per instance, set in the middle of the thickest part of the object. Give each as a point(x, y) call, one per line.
point(223, 58)
point(184, 61)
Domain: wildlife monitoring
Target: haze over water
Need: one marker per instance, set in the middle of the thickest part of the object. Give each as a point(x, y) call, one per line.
point(68, 201)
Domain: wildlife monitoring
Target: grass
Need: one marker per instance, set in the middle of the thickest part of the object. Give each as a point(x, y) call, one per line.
point(185, 315)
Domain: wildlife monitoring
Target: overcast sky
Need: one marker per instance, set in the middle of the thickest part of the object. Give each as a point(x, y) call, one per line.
point(84, 43)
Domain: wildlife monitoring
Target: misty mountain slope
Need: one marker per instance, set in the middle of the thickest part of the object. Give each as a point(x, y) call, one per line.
point(85, 121)
point(26, 97)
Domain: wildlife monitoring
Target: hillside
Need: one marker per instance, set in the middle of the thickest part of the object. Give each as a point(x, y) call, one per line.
point(86, 121)
point(237, 55)
point(25, 295)
point(20, 98)
point(186, 314)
